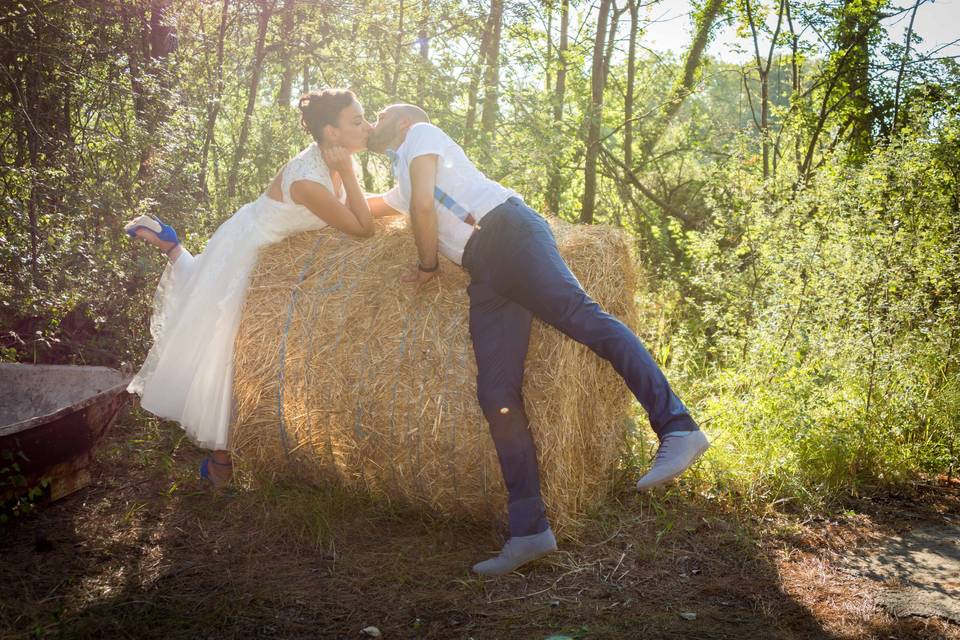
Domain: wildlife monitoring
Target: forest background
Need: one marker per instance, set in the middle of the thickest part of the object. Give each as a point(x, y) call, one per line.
point(796, 215)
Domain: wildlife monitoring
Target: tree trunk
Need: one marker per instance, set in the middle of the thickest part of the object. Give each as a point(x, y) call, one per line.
point(794, 78)
point(548, 84)
point(558, 95)
point(263, 21)
point(839, 81)
point(163, 36)
point(858, 19)
point(903, 66)
point(763, 73)
point(423, 40)
point(158, 40)
point(397, 56)
point(471, 122)
point(40, 75)
point(597, 84)
point(214, 104)
point(284, 94)
point(624, 186)
point(136, 57)
point(553, 188)
point(611, 38)
point(367, 174)
point(491, 78)
point(34, 142)
point(684, 84)
point(631, 82)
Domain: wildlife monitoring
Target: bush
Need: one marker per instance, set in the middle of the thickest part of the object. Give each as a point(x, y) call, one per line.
point(821, 342)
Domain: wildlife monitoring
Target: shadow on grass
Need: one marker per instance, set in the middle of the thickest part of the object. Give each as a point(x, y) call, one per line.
point(143, 553)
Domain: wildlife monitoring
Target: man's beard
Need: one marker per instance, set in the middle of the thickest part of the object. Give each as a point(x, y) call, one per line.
point(379, 139)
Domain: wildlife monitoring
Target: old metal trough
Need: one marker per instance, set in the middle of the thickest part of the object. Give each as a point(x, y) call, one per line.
point(51, 417)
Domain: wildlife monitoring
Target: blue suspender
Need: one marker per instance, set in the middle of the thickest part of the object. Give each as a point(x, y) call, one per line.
point(447, 201)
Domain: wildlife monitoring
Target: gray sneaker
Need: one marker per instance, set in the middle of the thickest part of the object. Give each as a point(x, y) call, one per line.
point(517, 551)
point(677, 452)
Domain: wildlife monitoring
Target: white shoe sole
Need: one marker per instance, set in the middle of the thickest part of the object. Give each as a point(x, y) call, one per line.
point(512, 566)
point(501, 565)
point(143, 221)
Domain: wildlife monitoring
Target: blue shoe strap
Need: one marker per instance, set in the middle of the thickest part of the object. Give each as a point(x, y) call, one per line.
point(167, 233)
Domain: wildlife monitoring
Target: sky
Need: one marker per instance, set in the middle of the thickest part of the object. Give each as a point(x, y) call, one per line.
point(937, 22)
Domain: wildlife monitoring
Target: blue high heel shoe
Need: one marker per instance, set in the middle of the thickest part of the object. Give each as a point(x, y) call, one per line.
point(205, 471)
point(152, 223)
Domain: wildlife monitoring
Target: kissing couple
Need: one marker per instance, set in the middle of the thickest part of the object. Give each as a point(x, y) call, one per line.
point(516, 273)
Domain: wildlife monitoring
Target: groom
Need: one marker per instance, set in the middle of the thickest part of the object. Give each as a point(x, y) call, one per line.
point(516, 272)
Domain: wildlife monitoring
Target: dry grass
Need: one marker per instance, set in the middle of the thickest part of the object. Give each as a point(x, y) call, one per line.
point(142, 554)
point(343, 372)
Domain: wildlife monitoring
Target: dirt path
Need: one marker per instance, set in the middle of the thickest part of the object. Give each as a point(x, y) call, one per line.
point(143, 554)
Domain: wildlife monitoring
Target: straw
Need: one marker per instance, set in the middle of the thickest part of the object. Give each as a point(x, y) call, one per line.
point(343, 373)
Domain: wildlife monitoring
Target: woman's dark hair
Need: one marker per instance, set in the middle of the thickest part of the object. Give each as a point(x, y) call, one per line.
point(320, 108)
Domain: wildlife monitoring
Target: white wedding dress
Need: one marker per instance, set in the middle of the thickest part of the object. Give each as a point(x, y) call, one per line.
point(188, 373)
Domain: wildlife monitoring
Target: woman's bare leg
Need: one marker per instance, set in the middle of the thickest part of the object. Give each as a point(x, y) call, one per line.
point(220, 469)
point(172, 250)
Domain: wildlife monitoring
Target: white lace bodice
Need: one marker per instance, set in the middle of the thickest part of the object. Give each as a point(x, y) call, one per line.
point(306, 165)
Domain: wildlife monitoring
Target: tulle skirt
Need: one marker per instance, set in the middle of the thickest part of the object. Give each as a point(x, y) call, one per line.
point(188, 373)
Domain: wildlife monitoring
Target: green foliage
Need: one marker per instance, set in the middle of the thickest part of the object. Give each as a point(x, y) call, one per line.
point(16, 497)
point(808, 316)
point(824, 354)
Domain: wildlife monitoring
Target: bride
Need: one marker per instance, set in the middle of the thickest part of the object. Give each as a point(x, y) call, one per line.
point(188, 373)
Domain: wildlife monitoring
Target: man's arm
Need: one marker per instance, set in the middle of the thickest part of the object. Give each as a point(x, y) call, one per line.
point(379, 207)
point(423, 215)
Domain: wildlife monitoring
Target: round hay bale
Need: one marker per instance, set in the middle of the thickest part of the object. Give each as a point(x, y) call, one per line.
point(343, 371)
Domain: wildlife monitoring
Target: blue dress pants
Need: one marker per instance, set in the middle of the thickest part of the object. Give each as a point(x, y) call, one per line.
point(516, 272)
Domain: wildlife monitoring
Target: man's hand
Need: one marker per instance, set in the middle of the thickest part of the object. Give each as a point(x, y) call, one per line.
point(418, 277)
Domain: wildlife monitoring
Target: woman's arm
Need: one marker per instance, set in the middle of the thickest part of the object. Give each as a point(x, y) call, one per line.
point(356, 200)
point(353, 218)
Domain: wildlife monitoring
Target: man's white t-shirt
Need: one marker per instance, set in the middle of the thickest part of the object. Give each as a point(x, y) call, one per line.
point(462, 187)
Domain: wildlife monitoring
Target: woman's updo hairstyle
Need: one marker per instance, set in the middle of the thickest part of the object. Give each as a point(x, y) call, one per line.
point(320, 108)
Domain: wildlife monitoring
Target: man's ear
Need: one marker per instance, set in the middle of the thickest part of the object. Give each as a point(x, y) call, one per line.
point(403, 125)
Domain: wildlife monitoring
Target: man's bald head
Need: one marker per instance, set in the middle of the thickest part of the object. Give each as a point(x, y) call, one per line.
point(410, 112)
point(392, 125)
